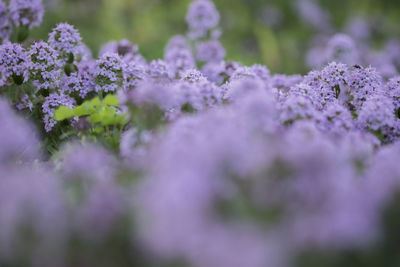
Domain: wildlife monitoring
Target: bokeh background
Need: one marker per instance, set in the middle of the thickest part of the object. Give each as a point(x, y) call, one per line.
point(272, 32)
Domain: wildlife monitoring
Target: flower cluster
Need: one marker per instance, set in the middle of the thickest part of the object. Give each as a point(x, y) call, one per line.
point(14, 63)
point(45, 66)
point(80, 82)
point(26, 13)
point(201, 17)
point(5, 27)
point(178, 54)
point(50, 104)
point(166, 163)
point(66, 40)
point(109, 73)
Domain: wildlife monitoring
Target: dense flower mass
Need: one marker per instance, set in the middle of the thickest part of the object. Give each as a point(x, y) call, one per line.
point(45, 67)
point(80, 82)
point(210, 51)
point(109, 73)
point(178, 54)
point(201, 17)
point(50, 104)
point(27, 13)
point(66, 40)
point(193, 160)
point(5, 27)
point(13, 63)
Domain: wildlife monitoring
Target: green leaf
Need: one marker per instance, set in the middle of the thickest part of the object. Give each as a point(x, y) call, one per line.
point(63, 113)
point(107, 116)
point(95, 102)
point(82, 111)
point(121, 119)
point(87, 107)
point(94, 118)
point(111, 100)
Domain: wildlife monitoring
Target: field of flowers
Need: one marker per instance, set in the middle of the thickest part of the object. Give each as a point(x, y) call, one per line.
point(195, 160)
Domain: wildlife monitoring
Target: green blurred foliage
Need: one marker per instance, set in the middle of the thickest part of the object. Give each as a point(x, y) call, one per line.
point(247, 38)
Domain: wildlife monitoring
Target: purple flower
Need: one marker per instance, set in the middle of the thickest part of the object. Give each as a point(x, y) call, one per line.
point(240, 86)
point(133, 74)
point(122, 48)
point(100, 210)
point(333, 80)
point(219, 72)
point(343, 49)
point(202, 16)
point(329, 83)
point(192, 76)
point(81, 82)
point(52, 102)
point(88, 162)
point(84, 53)
point(200, 94)
point(125, 49)
point(210, 153)
point(159, 70)
point(382, 179)
point(296, 108)
point(66, 40)
point(359, 28)
point(393, 91)
point(33, 199)
point(210, 51)
point(134, 147)
point(18, 141)
point(363, 83)
point(313, 14)
point(5, 27)
point(376, 113)
point(262, 72)
point(314, 95)
point(177, 42)
point(285, 82)
point(97, 200)
point(44, 66)
point(25, 103)
point(150, 93)
point(27, 13)
point(243, 72)
point(14, 63)
point(109, 73)
point(178, 54)
point(335, 119)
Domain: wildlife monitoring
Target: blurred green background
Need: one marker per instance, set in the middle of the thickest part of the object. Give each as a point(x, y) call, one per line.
point(255, 31)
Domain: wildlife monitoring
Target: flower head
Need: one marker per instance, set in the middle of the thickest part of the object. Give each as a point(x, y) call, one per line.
point(178, 54)
point(159, 69)
point(44, 66)
point(201, 17)
point(210, 51)
point(363, 83)
point(133, 73)
point(18, 140)
point(66, 40)
point(13, 64)
point(342, 48)
point(27, 13)
point(376, 113)
point(49, 106)
point(5, 23)
point(80, 82)
point(109, 74)
point(393, 91)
